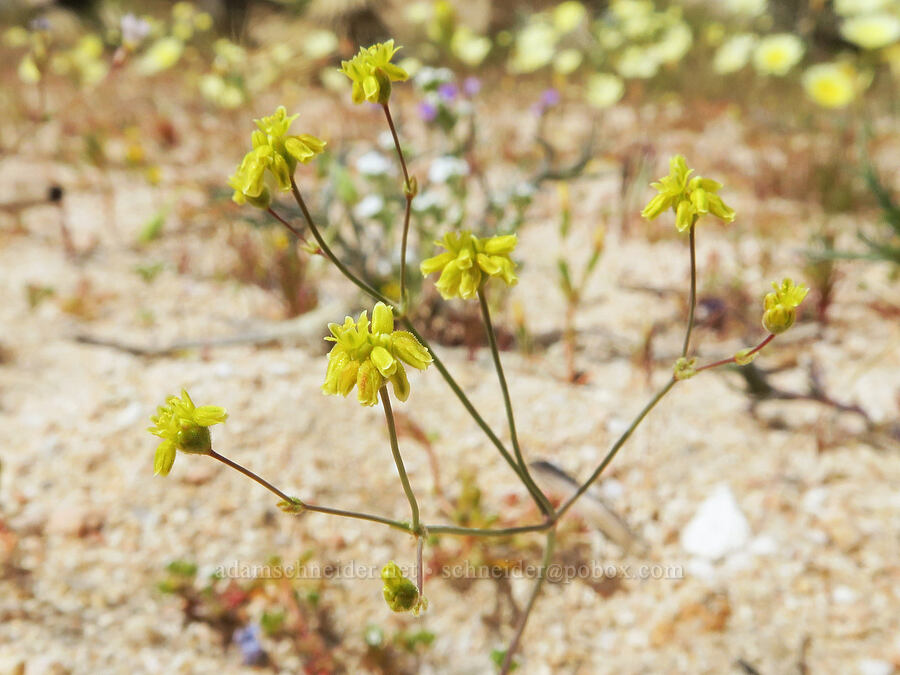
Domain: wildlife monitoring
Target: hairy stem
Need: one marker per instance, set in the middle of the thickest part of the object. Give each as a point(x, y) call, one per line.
point(507, 402)
point(523, 620)
point(398, 460)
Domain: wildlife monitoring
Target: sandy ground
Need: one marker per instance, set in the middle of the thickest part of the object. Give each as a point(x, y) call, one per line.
point(86, 530)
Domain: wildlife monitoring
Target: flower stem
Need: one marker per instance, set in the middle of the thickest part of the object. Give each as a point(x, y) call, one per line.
point(535, 591)
point(467, 404)
point(725, 362)
point(507, 402)
point(362, 285)
point(357, 515)
point(616, 447)
point(486, 532)
point(398, 460)
point(407, 191)
point(252, 476)
point(693, 300)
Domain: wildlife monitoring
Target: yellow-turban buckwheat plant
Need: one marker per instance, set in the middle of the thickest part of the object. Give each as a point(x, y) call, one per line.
point(182, 426)
point(273, 150)
point(366, 354)
point(372, 72)
point(469, 261)
point(370, 354)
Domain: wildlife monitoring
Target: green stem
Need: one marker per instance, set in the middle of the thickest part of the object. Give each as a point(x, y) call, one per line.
point(507, 402)
point(362, 285)
point(467, 404)
point(357, 515)
point(396, 524)
point(725, 362)
point(407, 191)
point(398, 460)
point(484, 532)
point(690, 325)
point(616, 447)
point(520, 629)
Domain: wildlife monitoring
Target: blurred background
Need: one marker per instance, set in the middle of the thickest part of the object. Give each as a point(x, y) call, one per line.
point(127, 273)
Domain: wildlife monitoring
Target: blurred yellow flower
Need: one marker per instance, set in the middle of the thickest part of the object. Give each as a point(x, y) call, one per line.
point(162, 55)
point(849, 7)
point(567, 61)
point(469, 47)
point(832, 85)
point(748, 8)
point(777, 54)
point(872, 31)
point(535, 47)
point(604, 90)
point(734, 53)
point(567, 16)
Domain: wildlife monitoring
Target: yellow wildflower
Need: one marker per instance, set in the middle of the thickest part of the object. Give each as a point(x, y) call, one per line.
point(688, 197)
point(469, 261)
point(369, 354)
point(781, 306)
point(182, 426)
point(372, 72)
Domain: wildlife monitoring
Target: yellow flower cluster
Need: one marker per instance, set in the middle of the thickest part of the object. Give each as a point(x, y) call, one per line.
point(400, 593)
point(469, 261)
point(182, 426)
point(781, 305)
point(372, 72)
point(689, 197)
point(275, 151)
point(367, 355)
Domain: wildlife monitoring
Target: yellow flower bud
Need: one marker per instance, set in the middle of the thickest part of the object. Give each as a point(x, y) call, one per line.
point(744, 356)
point(400, 594)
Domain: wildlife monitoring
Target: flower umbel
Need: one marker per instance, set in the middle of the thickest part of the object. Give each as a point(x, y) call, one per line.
point(469, 261)
point(368, 354)
point(372, 72)
point(182, 426)
point(688, 197)
point(781, 306)
point(275, 150)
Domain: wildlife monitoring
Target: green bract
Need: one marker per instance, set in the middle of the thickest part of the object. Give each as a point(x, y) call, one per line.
point(372, 72)
point(369, 354)
point(274, 150)
point(689, 197)
point(182, 426)
point(781, 305)
point(469, 261)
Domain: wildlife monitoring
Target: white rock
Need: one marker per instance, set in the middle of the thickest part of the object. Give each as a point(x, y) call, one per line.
point(717, 528)
point(874, 667)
